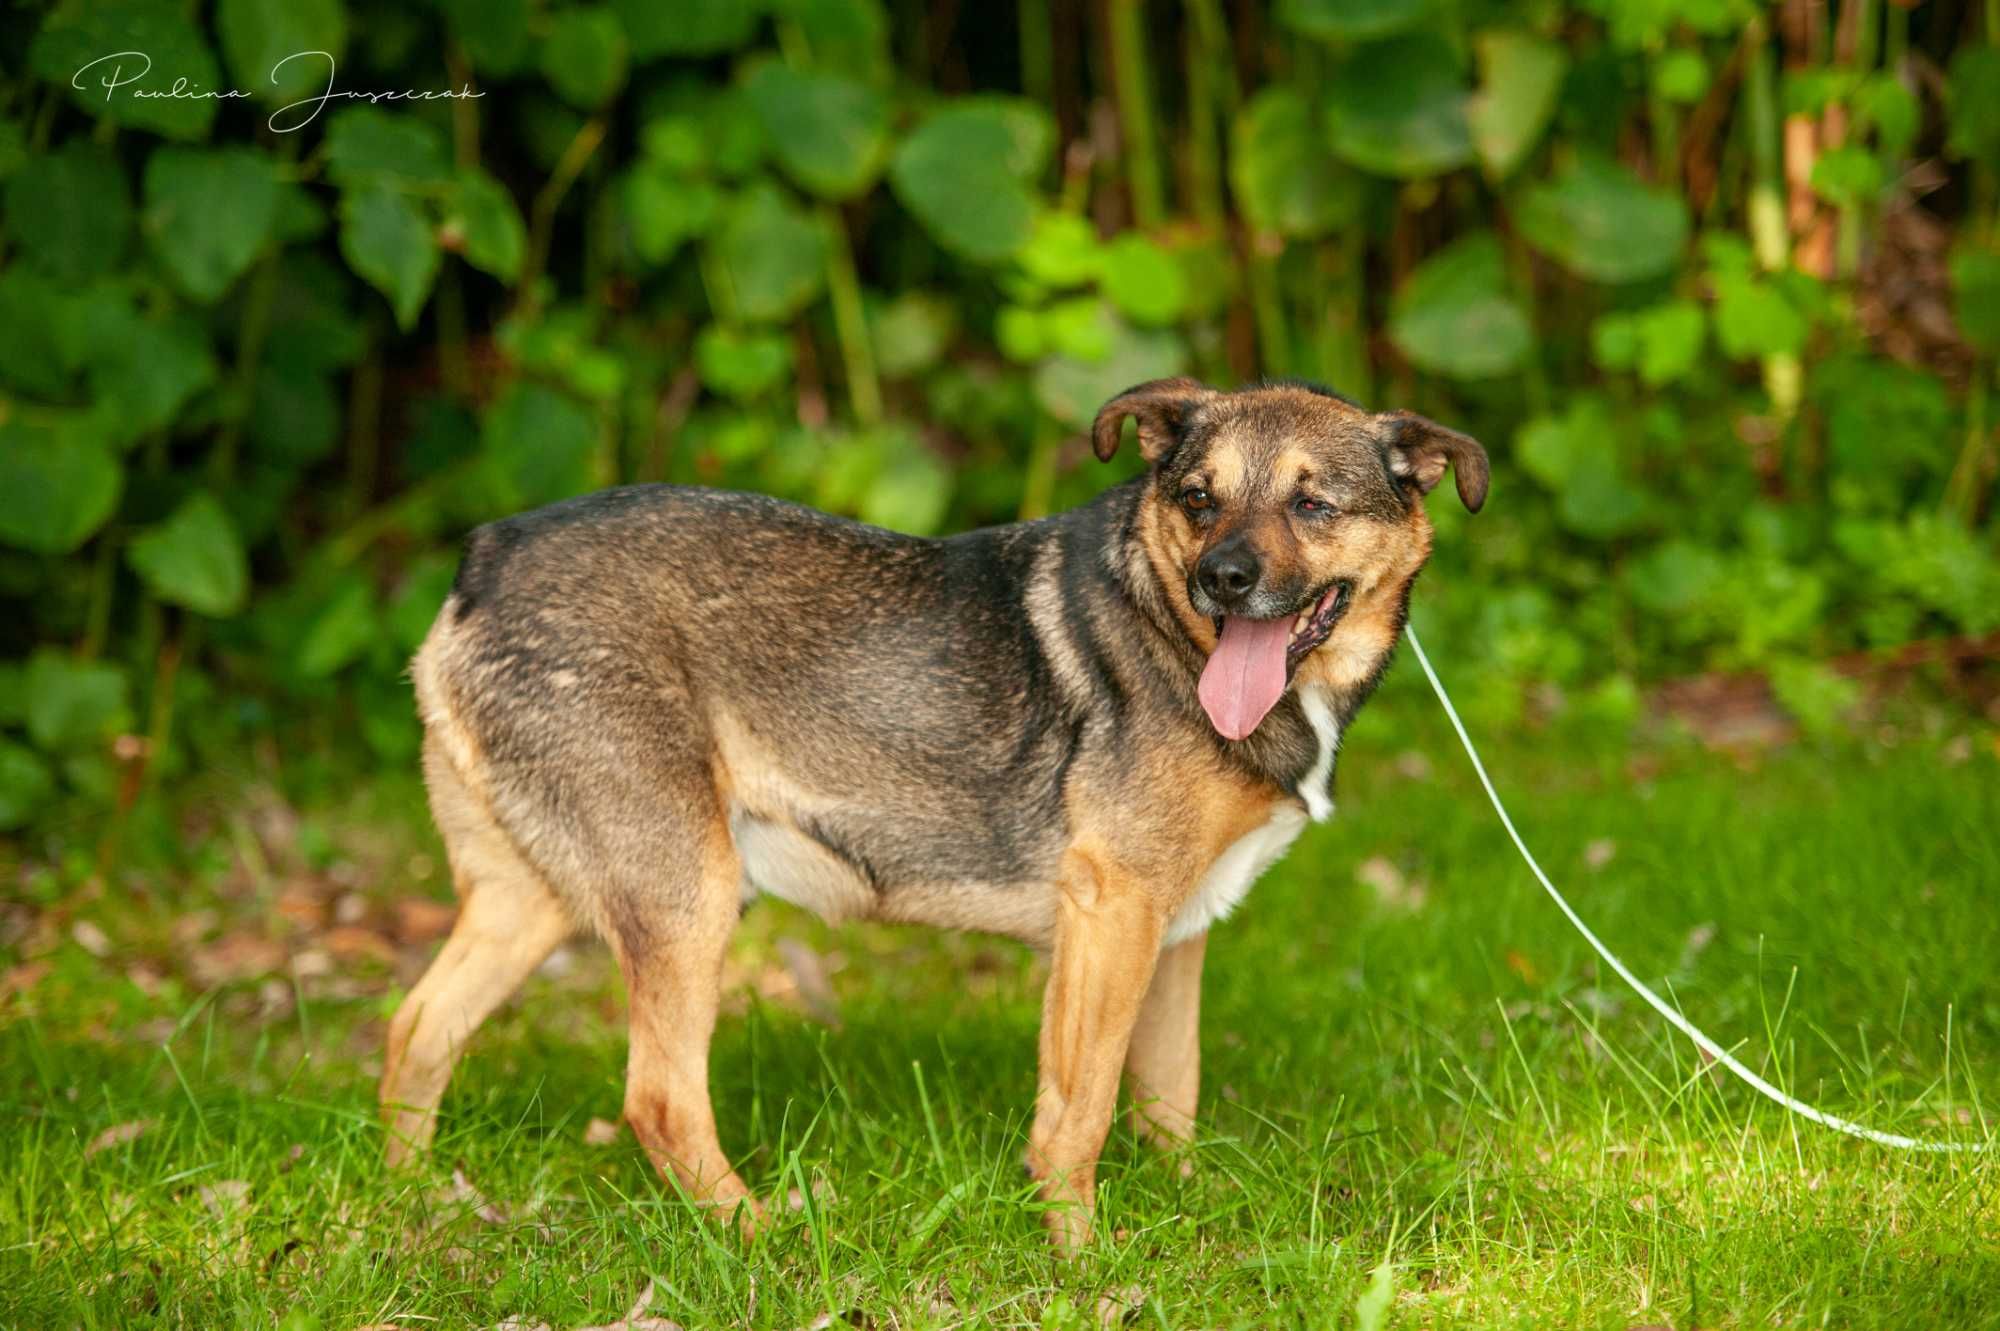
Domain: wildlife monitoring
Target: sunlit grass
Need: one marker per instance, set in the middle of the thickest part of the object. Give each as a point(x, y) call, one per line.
point(1408, 1056)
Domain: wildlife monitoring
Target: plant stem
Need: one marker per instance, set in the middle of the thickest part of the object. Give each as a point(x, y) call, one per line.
point(250, 331)
point(1135, 113)
point(1274, 342)
point(1769, 239)
point(857, 355)
point(1038, 71)
point(542, 215)
point(103, 586)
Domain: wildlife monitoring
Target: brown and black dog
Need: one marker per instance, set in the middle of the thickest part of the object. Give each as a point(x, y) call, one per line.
point(1091, 732)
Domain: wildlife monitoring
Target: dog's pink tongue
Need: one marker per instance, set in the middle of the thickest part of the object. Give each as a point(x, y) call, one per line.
point(1245, 674)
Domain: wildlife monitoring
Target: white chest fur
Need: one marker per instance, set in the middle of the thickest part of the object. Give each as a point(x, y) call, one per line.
point(1326, 728)
point(1230, 878)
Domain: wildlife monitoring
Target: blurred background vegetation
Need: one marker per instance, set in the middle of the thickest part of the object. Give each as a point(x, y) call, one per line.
point(1715, 280)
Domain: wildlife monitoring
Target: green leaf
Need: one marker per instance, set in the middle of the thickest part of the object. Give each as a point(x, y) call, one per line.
point(143, 372)
point(69, 212)
point(772, 254)
point(386, 240)
point(539, 446)
point(209, 212)
point(966, 173)
point(88, 50)
point(1285, 179)
point(1398, 107)
point(419, 597)
point(583, 56)
point(663, 211)
point(912, 491)
point(294, 412)
point(912, 332)
point(1520, 76)
point(1883, 104)
point(73, 704)
point(30, 359)
point(343, 627)
point(25, 784)
point(487, 224)
point(57, 486)
point(830, 132)
point(1975, 294)
point(1753, 318)
point(1062, 251)
point(195, 558)
point(1071, 389)
point(1352, 20)
point(1848, 174)
point(1675, 577)
point(742, 364)
point(494, 33)
point(842, 34)
point(13, 147)
point(1670, 340)
point(1973, 127)
point(1576, 456)
point(1603, 223)
point(1142, 280)
point(368, 146)
point(274, 46)
point(1454, 316)
point(687, 27)
point(1681, 75)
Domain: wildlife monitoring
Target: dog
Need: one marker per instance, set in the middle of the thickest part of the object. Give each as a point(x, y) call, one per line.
point(1092, 732)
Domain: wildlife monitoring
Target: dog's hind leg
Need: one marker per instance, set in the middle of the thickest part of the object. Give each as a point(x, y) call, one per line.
point(1163, 1065)
point(508, 923)
point(672, 953)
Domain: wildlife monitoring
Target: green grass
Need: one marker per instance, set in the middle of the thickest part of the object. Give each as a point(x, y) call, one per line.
point(1436, 1077)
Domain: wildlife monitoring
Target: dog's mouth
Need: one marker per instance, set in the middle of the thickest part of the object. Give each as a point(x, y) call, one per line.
point(1254, 659)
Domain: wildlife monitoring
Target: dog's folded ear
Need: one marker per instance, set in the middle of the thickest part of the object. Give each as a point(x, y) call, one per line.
point(1420, 449)
point(1159, 406)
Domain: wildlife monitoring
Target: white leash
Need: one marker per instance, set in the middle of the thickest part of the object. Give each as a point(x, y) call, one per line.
point(1660, 1005)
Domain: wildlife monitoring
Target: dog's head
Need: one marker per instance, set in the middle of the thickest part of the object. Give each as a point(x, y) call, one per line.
point(1285, 524)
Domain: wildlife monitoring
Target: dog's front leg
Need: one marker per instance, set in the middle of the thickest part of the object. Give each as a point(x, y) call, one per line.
point(1107, 940)
point(1163, 1066)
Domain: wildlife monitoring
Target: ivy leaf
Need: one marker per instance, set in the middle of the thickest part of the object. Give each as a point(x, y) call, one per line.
point(368, 146)
point(487, 223)
point(1352, 20)
point(1520, 76)
point(687, 27)
point(70, 213)
point(73, 704)
point(663, 211)
point(830, 132)
point(1284, 178)
point(1142, 280)
point(773, 255)
point(25, 784)
point(386, 240)
point(209, 212)
point(966, 173)
point(742, 364)
point(1398, 108)
point(1603, 223)
point(260, 37)
point(57, 486)
point(1454, 316)
point(1975, 292)
point(583, 56)
point(1753, 318)
point(195, 558)
point(539, 445)
point(72, 48)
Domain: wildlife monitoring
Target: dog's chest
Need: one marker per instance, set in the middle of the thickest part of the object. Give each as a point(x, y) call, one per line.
point(1233, 874)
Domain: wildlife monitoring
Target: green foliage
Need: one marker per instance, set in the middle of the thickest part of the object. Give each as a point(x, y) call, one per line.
point(257, 378)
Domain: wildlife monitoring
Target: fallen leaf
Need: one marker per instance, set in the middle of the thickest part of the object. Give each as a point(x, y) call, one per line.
point(1519, 964)
point(117, 1135)
point(636, 1319)
point(1412, 765)
point(20, 979)
point(352, 942)
point(237, 956)
point(1392, 888)
point(91, 938)
point(303, 903)
point(225, 1198)
point(1599, 853)
point(520, 1324)
point(421, 920)
point(1118, 1306)
point(600, 1132)
point(292, 1157)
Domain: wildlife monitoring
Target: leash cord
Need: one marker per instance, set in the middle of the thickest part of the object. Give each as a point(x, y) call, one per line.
point(1660, 1005)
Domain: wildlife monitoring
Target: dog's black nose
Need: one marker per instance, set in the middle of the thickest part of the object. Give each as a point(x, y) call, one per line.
point(1228, 572)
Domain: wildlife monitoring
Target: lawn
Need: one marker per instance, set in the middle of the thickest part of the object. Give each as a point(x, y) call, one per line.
point(1423, 1104)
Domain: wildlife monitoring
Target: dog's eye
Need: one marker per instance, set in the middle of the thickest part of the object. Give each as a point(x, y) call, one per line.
point(1197, 500)
point(1312, 508)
